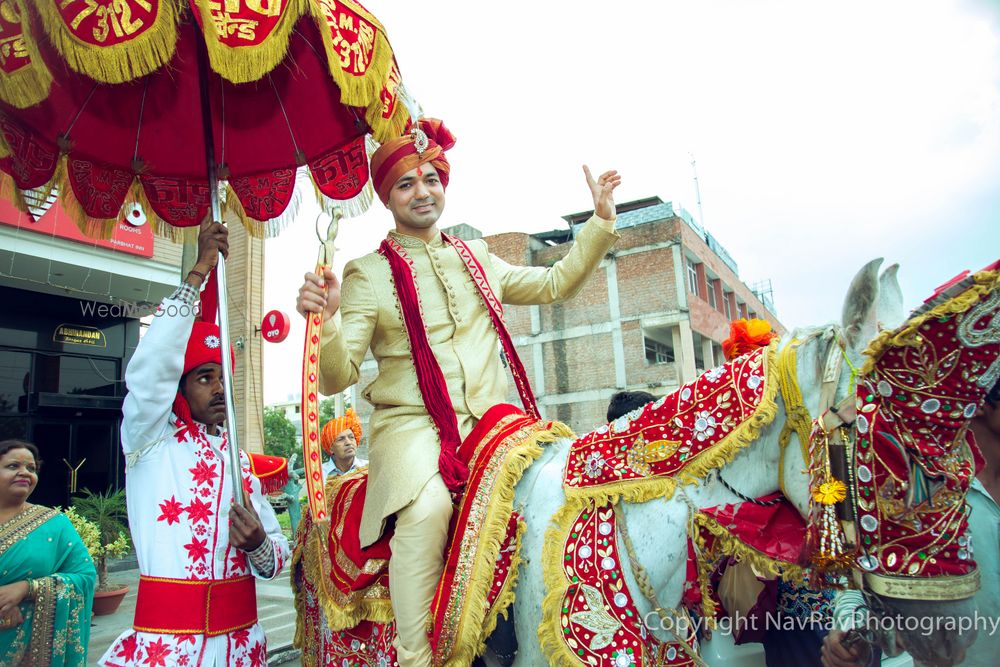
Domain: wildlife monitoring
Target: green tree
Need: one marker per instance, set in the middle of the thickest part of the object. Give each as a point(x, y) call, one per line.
point(327, 410)
point(280, 438)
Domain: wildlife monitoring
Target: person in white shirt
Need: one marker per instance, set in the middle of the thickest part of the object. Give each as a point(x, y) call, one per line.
point(199, 551)
point(340, 438)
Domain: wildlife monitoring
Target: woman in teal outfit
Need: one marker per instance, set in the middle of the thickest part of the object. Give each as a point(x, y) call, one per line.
point(46, 575)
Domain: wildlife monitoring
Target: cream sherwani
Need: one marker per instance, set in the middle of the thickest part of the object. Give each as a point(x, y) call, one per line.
point(404, 445)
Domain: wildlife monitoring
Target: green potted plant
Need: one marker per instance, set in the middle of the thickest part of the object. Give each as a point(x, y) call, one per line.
point(102, 521)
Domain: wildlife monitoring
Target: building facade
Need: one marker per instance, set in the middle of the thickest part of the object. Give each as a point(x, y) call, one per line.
point(74, 309)
point(652, 317)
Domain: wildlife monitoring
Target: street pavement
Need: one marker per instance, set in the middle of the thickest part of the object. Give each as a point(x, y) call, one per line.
point(275, 610)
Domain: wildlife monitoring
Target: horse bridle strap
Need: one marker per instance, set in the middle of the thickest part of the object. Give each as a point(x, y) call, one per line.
point(957, 587)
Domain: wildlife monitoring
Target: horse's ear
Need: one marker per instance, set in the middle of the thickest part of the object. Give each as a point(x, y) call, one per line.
point(860, 315)
point(890, 299)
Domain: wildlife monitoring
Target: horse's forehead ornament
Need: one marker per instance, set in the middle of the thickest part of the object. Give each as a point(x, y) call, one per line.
point(914, 460)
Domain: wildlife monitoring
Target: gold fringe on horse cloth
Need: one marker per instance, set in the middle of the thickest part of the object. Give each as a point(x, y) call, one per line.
point(114, 63)
point(698, 466)
point(311, 549)
point(638, 491)
point(477, 621)
point(909, 334)
point(727, 544)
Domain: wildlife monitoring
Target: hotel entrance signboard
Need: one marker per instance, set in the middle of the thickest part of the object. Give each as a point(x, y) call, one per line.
point(131, 235)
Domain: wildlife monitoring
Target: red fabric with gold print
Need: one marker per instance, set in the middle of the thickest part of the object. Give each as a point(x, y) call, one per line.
point(194, 607)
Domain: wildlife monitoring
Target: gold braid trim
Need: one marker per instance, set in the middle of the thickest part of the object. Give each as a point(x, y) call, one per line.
point(29, 85)
point(726, 544)
point(908, 335)
point(115, 63)
point(713, 458)
point(243, 64)
point(797, 417)
point(477, 621)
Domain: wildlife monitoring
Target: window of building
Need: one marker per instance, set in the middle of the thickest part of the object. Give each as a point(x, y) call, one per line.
point(726, 307)
point(753, 315)
point(692, 273)
point(657, 352)
point(711, 293)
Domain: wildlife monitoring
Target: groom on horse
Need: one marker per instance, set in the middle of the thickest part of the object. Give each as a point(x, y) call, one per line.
point(418, 304)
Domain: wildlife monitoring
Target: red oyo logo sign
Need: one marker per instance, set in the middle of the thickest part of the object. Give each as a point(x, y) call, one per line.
point(274, 329)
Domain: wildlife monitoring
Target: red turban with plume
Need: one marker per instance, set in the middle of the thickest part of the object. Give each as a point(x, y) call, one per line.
point(425, 143)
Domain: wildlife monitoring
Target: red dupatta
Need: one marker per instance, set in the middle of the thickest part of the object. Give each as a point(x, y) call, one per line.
point(430, 379)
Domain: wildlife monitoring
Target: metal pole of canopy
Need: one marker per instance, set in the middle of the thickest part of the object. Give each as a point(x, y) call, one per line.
point(233, 450)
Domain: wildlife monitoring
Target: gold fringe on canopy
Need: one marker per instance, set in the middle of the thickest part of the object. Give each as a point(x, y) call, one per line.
point(250, 62)
point(908, 335)
point(29, 84)
point(365, 89)
point(125, 61)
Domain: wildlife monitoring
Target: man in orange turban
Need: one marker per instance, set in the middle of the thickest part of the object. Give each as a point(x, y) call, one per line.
point(340, 439)
point(440, 372)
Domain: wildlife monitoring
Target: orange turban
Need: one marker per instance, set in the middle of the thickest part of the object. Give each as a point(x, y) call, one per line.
point(338, 425)
point(425, 143)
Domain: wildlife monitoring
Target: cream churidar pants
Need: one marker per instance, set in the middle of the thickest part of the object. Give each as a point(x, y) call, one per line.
point(415, 568)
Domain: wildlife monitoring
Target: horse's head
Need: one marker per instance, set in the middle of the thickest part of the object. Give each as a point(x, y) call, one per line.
point(822, 361)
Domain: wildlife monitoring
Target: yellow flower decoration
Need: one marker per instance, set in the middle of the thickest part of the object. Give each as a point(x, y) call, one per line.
point(830, 492)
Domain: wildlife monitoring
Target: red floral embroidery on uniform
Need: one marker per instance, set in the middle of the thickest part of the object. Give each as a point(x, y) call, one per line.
point(207, 491)
point(127, 648)
point(156, 654)
point(238, 561)
point(184, 638)
point(203, 473)
point(258, 656)
point(241, 637)
point(198, 510)
point(171, 511)
point(197, 549)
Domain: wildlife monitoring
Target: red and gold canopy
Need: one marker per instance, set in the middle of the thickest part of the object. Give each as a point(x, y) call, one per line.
point(101, 99)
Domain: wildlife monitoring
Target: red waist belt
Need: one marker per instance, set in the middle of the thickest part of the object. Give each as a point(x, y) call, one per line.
point(195, 607)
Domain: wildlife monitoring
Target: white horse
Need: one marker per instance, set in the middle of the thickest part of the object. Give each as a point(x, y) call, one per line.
point(659, 527)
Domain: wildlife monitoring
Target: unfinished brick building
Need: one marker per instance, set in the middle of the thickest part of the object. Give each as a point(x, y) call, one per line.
point(652, 317)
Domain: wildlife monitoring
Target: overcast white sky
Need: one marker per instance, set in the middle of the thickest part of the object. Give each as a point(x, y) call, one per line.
point(825, 134)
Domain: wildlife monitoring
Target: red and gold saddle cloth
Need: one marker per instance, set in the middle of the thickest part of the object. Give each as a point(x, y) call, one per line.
point(342, 591)
point(915, 455)
point(680, 437)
